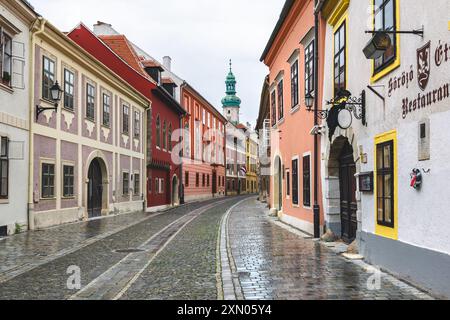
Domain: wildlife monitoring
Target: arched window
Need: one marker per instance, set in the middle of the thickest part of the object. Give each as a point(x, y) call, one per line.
point(164, 135)
point(170, 137)
point(158, 132)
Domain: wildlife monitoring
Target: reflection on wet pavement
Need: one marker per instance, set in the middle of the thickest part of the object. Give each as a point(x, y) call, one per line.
point(273, 263)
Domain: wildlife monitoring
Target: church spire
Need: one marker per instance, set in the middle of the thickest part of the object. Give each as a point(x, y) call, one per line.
point(231, 103)
point(231, 100)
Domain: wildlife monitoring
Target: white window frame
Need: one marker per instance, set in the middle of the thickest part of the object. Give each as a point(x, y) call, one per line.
point(306, 154)
point(68, 164)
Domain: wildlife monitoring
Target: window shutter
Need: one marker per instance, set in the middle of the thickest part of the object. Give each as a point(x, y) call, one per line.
point(18, 76)
point(16, 150)
point(18, 50)
point(18, 65)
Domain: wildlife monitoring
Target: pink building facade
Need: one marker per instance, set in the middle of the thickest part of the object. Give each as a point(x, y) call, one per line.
point(289, 55)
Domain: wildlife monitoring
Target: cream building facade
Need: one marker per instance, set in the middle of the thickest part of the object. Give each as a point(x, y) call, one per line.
point(16, 18)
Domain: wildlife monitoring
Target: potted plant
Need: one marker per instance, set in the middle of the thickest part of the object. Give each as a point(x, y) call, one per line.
point(6, 79)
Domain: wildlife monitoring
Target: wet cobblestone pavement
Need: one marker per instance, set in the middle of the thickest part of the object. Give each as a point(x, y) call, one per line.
point(186, 270)
point(49, 281)
point(273, 263)
point(181, 257)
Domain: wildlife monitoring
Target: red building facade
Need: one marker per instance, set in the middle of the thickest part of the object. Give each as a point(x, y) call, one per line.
point(204, 147)
point(164, 117)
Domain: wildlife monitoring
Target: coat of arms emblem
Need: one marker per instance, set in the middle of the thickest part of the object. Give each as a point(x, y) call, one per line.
point(424, 65)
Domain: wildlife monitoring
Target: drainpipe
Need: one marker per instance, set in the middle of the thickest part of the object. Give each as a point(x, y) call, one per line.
point(316, 120)
point(181, 187)
point(33, 33)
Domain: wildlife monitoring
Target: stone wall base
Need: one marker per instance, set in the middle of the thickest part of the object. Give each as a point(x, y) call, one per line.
point(423, 267)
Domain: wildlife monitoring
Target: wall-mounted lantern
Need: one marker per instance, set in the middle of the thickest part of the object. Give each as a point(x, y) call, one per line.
point(381, 41)
point(56, 95)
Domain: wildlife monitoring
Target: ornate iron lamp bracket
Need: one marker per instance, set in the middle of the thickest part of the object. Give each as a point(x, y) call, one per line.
point(356, 105)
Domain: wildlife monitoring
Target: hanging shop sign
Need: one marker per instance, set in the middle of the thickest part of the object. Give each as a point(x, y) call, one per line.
point(427, 56)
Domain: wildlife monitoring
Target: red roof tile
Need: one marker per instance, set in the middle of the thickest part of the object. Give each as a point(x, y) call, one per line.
point(120, 45)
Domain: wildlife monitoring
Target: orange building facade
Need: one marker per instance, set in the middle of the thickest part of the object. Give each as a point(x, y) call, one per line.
point(290, 58)
point(204, 147)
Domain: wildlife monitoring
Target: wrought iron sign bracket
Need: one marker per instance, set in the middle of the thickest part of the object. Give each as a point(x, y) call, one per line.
point(40, 109)
point(418, 32)
point(356, 105)
point(379, 95)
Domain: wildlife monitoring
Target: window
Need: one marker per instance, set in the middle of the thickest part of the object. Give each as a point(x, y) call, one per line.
point(207, 180)
point(125, 183)
point(149, 183)
point(5, 58)
point(90, 101)
point(4, 168)
point(125, 119)
point(295, 182)
point(164, 135)
point(48, 181)
point(280, 101)
point(158, 132)
point(197, 180)
point(294, 84)
point(137, 124)
point(186, 179)
point(309, 69)
point(156, 185)
point(274, 108)
point(307, 181)
point(69, 83)
point(288, 183)
point(106, 110)
point(385, 184)
point(203, 180)
point(137, 184)
point(68, 181)
point(339, 58)
point(169, 138)
point(384, 19)
point(187, 141)
point(161, 186)
point(48, 78)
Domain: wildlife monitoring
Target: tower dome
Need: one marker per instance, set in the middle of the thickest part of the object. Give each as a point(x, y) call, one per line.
point(231, 100)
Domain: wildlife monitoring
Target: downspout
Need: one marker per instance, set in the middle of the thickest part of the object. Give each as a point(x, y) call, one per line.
point(31, 77)
point(180, 186)
point(317, 11)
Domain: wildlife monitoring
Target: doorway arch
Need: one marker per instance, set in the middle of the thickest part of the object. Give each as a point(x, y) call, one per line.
point(342, 188)
point(97, 186)
point(278, 184)
point(175, 191)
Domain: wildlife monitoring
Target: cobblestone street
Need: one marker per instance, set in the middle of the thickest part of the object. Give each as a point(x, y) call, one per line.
point(217, 249)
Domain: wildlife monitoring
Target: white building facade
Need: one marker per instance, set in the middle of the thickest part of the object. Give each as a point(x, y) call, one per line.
point(16, 18)
point(385, 180)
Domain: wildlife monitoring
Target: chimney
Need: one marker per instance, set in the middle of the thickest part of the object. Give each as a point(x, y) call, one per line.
point(167, 63)
point(103, 28)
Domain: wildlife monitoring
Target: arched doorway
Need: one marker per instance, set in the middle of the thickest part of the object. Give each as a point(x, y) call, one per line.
point(95, 189)
point(347, 185)
point(278, 185)
point(175, 191)
point(342, 206)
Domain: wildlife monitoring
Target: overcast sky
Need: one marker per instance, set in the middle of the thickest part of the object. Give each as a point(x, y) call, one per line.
point(200, 36)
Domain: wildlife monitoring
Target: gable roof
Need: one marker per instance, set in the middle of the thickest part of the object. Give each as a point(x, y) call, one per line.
point(121, 45)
